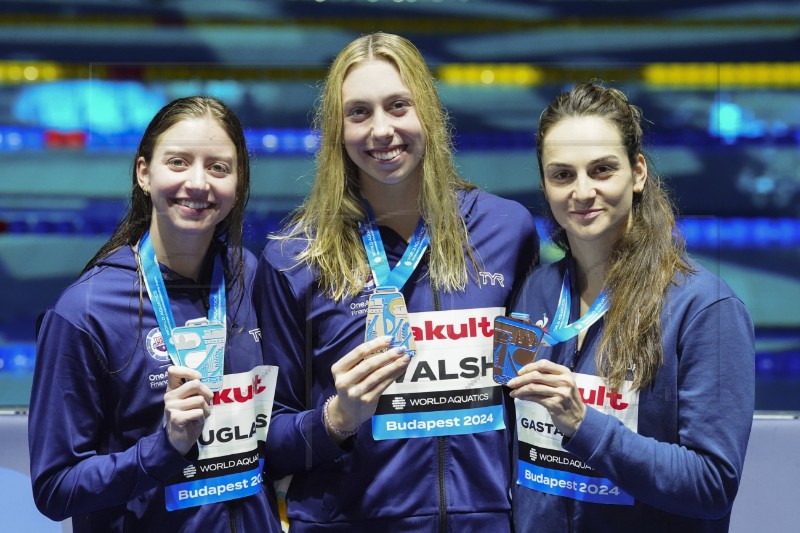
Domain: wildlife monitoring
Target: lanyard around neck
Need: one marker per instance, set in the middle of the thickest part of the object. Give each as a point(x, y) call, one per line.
point(376, 254)
point(561, 330)
point(157, 292)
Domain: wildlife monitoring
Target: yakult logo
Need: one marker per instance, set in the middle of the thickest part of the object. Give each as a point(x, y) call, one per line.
point(598, 396)
point(474, 327)
point(239, 394)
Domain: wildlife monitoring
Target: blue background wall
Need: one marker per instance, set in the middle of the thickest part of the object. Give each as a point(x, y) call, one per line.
point(718, 82)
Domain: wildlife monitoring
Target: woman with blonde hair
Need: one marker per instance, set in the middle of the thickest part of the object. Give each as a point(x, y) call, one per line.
point(376, 300)
point(636, 413)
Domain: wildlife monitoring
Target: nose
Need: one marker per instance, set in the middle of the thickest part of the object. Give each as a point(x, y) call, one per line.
point(196, 179)
point(584, 189)
point(382, 126)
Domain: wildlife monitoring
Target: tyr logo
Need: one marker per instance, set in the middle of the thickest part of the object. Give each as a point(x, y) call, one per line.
point(488, 278)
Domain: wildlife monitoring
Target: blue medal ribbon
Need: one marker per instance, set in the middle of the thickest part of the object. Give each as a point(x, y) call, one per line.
point(561, 330)
point(157, 292)
point(376, 254)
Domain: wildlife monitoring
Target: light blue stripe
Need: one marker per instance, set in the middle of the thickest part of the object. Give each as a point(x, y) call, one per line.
point(575, 486)
point(250, 483)
point(437, 423)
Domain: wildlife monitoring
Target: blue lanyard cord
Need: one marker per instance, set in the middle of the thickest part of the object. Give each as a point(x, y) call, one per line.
point(376, 253)
point(157, 292)
point(561, 330)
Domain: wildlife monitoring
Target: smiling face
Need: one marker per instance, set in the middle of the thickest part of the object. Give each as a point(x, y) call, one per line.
point(192, 178)
point(588, 180)
point(382, 132)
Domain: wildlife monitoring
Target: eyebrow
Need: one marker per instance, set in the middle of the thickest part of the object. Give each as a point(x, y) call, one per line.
point(394, 96)
point(592, 162)
point(187, 153)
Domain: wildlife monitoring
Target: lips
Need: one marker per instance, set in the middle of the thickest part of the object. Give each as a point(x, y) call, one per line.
point(386, 155)
point(586, 214)
point(199, 206)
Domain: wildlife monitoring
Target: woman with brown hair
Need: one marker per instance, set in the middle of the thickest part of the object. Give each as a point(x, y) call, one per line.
point(125, 431)
point(636, 413)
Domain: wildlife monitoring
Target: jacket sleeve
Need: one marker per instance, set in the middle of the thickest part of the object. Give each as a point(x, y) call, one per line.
point(297, 438)
point(698, 476)
point(71, 472)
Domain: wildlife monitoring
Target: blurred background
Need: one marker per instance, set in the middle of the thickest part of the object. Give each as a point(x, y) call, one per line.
point(718, 81)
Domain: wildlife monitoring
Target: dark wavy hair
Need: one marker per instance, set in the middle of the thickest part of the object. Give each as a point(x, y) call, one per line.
point(645, 260)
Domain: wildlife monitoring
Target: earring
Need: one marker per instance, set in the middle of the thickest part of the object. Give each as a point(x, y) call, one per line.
point(146, 191)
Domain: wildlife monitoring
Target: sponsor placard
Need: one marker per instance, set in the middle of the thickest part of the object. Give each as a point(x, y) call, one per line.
point(228, 464)
point(545, 466)
point(447, 388)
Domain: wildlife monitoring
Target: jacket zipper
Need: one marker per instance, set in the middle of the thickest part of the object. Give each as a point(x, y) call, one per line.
point(232, 516)
point(575, 355)
point(570, 512)
point(440, 449)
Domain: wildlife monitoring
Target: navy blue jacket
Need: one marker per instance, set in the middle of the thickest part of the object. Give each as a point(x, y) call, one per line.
point(684, 464)
point(458, 482)
point(99, 450)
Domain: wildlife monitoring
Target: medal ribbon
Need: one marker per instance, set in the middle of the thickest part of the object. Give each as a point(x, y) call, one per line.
point(376, 253)
point(157, 292)
point(560, 330)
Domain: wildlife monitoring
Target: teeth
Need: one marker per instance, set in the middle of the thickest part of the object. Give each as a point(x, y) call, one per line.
point(385, 156)
point(194, 205)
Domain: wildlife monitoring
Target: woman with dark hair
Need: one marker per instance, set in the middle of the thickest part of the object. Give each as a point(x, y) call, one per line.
point(392, 255)
point(130, 420)
point(636, 413)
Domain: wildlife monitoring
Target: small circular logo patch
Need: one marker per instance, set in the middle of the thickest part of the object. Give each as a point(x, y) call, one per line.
point(156, 346)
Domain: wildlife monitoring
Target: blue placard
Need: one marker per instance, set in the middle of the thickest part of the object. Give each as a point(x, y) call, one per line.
point(571, 485)
point(214, 490)
point(437, 423)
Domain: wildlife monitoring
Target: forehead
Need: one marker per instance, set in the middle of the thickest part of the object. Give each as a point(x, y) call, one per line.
point(372, 78)
point(590, 134)
point(195, 132)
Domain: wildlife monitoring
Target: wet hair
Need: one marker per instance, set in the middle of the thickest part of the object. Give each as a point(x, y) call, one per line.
point(648, 256)
point(328, 218)
point(140, 210)
point(138, 216)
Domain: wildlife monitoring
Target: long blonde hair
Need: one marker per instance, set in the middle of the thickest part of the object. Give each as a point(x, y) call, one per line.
point(328, 218)
point(645, 261)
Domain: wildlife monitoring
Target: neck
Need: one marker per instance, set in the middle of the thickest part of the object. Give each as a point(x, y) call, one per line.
point(184, 255)
point(591, 270)
point(396, 206)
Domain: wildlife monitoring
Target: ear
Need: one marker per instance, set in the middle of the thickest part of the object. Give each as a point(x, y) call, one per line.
point(142, 174)
point(639, 174)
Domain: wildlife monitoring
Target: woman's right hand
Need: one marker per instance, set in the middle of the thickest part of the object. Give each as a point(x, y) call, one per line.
point(187, 404)
point(360, 377)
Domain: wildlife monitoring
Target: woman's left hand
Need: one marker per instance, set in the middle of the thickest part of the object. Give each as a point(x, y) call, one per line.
point(552, 386)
